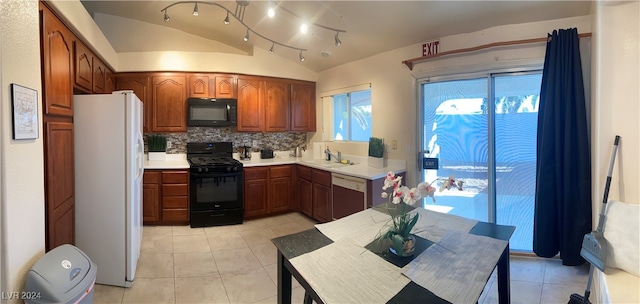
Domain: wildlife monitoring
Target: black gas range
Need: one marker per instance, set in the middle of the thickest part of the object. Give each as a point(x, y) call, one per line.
point(215, 185)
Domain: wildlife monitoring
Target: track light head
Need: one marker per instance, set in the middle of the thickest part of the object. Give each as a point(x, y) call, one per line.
point(239, 16)
point(195, 9)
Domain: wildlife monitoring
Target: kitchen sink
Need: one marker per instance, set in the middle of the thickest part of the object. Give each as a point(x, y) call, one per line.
point(326, 164)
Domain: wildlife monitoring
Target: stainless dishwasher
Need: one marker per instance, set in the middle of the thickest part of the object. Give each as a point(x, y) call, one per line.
point(349, 195)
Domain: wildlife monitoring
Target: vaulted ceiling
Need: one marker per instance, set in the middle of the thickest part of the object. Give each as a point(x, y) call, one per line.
point(371, 27)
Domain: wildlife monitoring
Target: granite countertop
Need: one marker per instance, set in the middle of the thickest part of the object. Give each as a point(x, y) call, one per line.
point(360, 169)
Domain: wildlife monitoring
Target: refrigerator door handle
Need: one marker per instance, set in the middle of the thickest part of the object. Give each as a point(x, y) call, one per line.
point(140, 156)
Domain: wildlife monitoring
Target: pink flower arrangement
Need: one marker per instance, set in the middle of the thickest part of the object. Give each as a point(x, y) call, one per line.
point(411, 195)
point(402, 223)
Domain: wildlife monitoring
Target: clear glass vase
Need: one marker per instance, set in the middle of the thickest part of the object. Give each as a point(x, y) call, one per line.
point(408, 247)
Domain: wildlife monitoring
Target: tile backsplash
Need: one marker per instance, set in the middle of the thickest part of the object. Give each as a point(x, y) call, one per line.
point(276, 141)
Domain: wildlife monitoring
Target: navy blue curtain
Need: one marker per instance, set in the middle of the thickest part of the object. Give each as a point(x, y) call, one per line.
point(563, 178)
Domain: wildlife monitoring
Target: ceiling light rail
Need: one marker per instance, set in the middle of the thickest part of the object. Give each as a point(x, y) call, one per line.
point(241, 5)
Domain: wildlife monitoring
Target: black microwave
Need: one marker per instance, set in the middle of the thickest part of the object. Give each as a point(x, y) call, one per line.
point(213, 112)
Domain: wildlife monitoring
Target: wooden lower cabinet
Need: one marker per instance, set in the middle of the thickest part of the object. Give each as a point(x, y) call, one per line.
point(151, 182)
point(304, 190)
point(255, 192)
point(321, 195)
point(165, 197)
point(268, 190)
point(59, 183)
point(313, 193)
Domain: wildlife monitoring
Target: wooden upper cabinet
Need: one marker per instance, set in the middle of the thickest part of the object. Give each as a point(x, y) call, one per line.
point(169, 95)
point(199, 86)
point(303, 107)
point(250, 104)
point(83, 63)
point(224, 86)
point(276, 106)
point(99, 76)
point(110, 81)
point(141, 86)
point(57, 65)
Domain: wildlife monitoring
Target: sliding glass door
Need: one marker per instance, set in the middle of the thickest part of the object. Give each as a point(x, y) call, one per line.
point(491, 146)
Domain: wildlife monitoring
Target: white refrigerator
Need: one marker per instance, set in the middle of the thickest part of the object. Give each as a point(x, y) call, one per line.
point(109, 165)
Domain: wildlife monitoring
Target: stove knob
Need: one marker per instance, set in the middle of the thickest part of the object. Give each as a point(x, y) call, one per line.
point(199, 169)
point(228, 169)
point(206, 169)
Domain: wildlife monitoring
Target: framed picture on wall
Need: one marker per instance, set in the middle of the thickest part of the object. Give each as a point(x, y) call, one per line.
point(24, 102)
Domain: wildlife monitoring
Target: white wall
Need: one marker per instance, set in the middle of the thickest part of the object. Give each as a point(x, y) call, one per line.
point(22, 169)
point(394, 86)
point(616, 101)
point(260, 63)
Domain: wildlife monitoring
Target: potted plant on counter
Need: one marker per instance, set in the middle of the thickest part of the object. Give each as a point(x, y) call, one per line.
point(376, 153)
point(157, 147)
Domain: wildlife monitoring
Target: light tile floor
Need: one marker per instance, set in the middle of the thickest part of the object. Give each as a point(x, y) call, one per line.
point(237, 264)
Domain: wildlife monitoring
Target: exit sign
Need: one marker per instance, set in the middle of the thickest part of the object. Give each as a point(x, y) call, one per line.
point(430, 48)
point(430, 163)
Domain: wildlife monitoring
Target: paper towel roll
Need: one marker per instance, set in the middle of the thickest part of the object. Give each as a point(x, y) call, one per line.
point(317, 149)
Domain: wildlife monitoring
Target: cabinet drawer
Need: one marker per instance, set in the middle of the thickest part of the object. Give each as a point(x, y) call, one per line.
point(175, 177)
point(175, 202)
point(303, 172)
point(151, 177)
point(173, 215)
point(175, 189)
point(321, 177)
point(280, 171)
point(255, 173)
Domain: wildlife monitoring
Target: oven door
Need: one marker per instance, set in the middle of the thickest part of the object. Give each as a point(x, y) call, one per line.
point(216, 191)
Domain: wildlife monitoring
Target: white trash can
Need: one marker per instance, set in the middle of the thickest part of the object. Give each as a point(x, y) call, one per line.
point(63, 275)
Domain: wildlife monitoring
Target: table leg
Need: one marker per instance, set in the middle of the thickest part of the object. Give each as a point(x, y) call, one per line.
point(284, 281)
point(504, 280)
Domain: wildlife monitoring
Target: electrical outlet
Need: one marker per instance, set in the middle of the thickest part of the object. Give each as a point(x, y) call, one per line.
point(407, 149)
point(254, 143)
point(394, 144)
point(168, 144)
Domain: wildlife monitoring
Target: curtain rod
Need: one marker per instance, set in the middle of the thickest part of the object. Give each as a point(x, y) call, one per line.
point(409, 63)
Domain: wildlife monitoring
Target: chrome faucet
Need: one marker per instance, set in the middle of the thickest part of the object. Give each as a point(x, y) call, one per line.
point(329, 155)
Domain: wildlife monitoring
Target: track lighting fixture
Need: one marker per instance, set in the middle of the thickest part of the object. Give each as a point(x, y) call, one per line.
point(241, 6)
point(195, 9)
